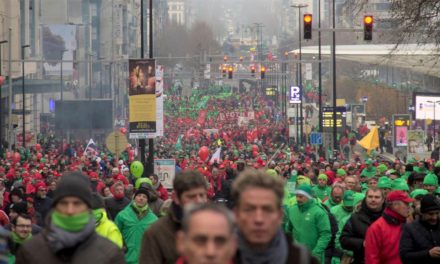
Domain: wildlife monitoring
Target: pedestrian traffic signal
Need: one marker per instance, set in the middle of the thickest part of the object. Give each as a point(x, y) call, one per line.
point(224, 70)
point(230, 71)
point(307, 26)
point(368, 27)
point(253, 70)
point(263, 72)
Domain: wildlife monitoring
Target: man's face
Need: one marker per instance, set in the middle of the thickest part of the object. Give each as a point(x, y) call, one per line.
point(42, 192)
point(301, 199)
point(430, 188)
point(337, 195)
point(15, 199)
point(322, 182)
point(141, 200)
point(258, 215)
point(71, 205)
point(119, 189)
point(401, 208)
point(23, 227)
point(193, 196)
point(153, 180)
point(431, 218)
point(374, 200)
point(372, 183)
point(209, 239)
point(350, 182)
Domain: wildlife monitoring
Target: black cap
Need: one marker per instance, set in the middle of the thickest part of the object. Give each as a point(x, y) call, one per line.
point(142, 190)
point(429, 203)
point(73, 184)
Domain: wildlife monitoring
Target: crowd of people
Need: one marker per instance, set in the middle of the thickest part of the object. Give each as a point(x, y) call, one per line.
point(251, 196)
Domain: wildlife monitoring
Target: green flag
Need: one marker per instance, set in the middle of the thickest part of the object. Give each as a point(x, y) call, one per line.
point(179, 143)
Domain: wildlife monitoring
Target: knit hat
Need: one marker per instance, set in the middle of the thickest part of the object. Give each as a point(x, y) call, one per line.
point(430, 179)
point(142, 190)
point(19, 208)
point(382, 168)
point(272, 172)
point(322, 177)
point(97, 201)
point(305, 190)
point(340, 172)
point(303, 180)
point(429, 203)
point(348, 199)
point(73, 184)
point(400, 185)
point(417, 192)
point(384, 183)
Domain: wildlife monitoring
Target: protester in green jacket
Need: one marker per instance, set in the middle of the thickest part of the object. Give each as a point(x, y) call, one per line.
point(21, 232)
point(309, 223)
point(104, 227)
point(335, 197)
point(370, 170)
point(322, 190)
point(133, 221)
point(344, 209)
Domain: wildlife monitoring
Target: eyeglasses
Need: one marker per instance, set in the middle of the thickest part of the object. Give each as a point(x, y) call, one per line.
point(24, 226)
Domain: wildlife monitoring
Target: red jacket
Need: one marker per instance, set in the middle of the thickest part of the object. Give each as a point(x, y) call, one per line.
point(382, 240)
point(163, 193)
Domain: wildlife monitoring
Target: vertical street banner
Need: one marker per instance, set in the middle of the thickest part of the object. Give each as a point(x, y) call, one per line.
point(159, 103)
point(416, 146)
point(401, 125)
point(142, 97)
point(165, 169)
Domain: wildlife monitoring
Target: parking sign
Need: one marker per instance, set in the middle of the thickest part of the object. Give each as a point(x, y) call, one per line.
point(295, 95)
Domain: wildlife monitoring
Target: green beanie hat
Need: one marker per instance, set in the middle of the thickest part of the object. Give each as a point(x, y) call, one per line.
point(382, 168)
point(322, 177)
point(384, 183)
point(418, 192)
point(348, 199)
point(368, 162)
point(340, 172)
point(303, 180)
point(399, 184)
point(306, 190)
point(430, 179)
point(272, 172)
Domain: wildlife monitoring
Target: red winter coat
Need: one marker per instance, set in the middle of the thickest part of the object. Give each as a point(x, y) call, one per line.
point(382, 240)
point(163, 193)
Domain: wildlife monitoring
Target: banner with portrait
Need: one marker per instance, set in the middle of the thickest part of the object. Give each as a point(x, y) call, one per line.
point(142, 97)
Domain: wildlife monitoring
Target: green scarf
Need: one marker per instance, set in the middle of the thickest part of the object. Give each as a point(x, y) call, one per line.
point(19, 240)
point(98, 214)
point(140, 211)
point(74, 223)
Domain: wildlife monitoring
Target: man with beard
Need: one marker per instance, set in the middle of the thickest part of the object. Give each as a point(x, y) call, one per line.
point(420, 241)
point(115, 204)
point(353, 234)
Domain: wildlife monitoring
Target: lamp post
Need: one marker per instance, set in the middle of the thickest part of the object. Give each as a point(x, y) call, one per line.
point(1, 98)
point(434, 103)
point(300, 6)
point(61, 96)
point(23, 97)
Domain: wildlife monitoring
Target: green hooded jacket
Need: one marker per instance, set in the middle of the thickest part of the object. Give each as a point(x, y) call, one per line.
point(329, 203)
point(339, 212)
point(309, 224)
point(132, 229)
point(320, 192)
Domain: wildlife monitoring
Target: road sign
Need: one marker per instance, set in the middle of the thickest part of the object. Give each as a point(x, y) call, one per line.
point(316, 138)
point(295, 95)
point(116, 142)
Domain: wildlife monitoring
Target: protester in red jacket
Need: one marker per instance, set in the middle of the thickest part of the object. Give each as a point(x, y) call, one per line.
point(383, 236)
point(161, 191)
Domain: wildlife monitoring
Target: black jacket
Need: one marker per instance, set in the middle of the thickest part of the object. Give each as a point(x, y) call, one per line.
point(42, 206)
point(416, 241)
point(353, 234)
point(114, 206)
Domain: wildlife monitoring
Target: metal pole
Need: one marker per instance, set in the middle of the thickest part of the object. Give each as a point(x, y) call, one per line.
point(90, 91)
point(1, 99)
point(10, 134)
point(301, 129)
point(150, 165)
point(61, 99)
point(142, 142)
point(23, 96)
point(320, 68)
point(335, 131)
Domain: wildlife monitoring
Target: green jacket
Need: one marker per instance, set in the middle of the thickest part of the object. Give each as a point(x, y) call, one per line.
point(109, 230)
point(309, 224)
point(339, 212)
point(329, 203)
point(320, 192)
point(132, 228)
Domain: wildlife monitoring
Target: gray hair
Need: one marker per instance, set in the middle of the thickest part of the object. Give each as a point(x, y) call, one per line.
point(192, 209)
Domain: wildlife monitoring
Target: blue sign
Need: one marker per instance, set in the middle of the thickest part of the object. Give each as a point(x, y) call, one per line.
point(316, 138)
point(295, 95)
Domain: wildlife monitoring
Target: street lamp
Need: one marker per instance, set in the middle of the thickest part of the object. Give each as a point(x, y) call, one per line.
point(434, 103)
point(1, 99)
point(299, 6)
point(22, 93)
point(61, 95)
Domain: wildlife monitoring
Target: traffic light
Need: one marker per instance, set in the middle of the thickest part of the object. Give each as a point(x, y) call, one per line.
point(263, 72)
point(368, 27)
point(307, 26)
point(225, 58)
point(241, 58)
point(230, 71)
point(253, 70)
point(224, 68)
